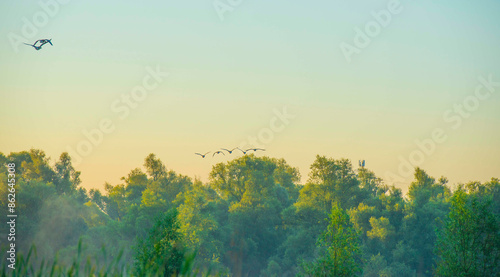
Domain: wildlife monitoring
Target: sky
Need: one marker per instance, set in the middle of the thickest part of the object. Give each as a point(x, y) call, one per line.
point(396, 83)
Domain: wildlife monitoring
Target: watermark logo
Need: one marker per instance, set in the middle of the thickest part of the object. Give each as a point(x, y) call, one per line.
point(373, 28)
point(122, 108)
point(265, 136)
point(224, 6)
point(11, 215)
point(454, 116)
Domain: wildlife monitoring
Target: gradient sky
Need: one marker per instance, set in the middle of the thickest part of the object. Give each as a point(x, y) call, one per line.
point(227, 78)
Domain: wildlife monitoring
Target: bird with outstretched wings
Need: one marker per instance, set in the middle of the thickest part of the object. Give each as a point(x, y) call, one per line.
point(244, 152)
point(218, 152)
point(34, 46)
point(229, 151)
point(255, 149)
point(202, 155)
point(44, 41)
point(40, 42)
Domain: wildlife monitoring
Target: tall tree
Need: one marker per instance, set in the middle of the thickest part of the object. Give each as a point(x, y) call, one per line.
point(18, 158)
point(155, 167)
point(115, 201)
point(333, 181)
point(428, 201)
point(469, 244)
point(38, 167)
point(67, 177)
point(198, 223)
point(255, 202)
point(341, 250)
point(136, 182)
point(162, 252)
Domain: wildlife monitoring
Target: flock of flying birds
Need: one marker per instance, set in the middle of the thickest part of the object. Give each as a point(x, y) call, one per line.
point(41, 42)
point(230, 151)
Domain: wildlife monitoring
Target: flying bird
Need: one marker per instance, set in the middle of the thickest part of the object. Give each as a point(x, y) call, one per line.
point(34, 46)
point(255, 149)
point(202, 155)
point(362, 163)
point(230, 151)
point(44, 41)
point(244, 152)
point(219, 152)
point(41, 42)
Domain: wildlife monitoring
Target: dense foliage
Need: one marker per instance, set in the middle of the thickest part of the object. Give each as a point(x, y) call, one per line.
point(252, 218)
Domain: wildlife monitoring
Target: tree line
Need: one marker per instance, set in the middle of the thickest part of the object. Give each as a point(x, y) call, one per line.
point(254, 218)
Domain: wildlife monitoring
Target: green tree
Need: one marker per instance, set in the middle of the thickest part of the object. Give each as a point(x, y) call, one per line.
point(162, 253)
point(67, 177)
point(136, 182)
point(97, 198)
point(18, 158)
point(341, 250)
point(376, 266)
point(368, 183)
point(255, 200)
point(469, 244)
point(336, 182)
point(162, 188)
point(381, 229)
point(199, 225)
point(115, 201)
point(360, 218)
point(155, 167)
point(428, 202)
point(488, 191)
point(38, 168)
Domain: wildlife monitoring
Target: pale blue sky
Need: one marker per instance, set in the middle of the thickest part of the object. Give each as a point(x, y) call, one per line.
point(226, 77)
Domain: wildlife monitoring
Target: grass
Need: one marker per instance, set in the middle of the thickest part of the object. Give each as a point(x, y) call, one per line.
point(31, 265)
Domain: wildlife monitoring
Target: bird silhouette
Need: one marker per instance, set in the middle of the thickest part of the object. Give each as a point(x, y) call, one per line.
point(244, 152)
point(255, 149)
point(34, 46)
point(219, 152)
point(202, 155)
point(229, 151)
point(44, 41)
point(41, 42)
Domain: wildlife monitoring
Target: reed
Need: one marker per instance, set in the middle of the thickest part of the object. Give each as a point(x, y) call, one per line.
point(85, 265)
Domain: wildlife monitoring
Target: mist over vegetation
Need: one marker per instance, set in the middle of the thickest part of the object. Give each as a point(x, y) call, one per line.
point(252, 218)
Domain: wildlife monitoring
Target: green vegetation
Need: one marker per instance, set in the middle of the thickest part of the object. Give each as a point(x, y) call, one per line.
point(469, 243)
point(252, 218)
point(341, 250)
